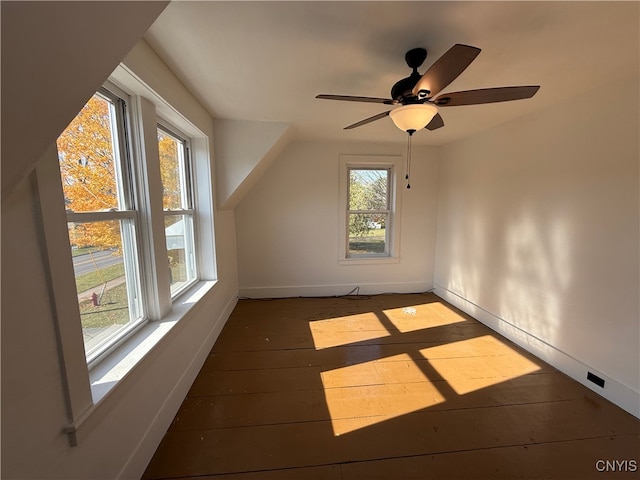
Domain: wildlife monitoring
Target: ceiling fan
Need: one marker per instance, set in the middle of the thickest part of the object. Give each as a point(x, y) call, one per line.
point(417, 93)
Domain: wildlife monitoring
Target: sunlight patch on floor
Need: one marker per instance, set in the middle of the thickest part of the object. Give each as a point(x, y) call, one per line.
point(419, 317)
point(477, 363)
point(368, 393)
point(334, 332)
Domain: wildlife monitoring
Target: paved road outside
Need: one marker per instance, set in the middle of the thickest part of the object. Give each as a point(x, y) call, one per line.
point(89, 262)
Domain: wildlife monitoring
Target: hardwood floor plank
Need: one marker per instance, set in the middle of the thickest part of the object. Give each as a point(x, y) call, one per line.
point(570, 460)
point(269, 342)
point(325, 472)
point(390, 386)
point(229, 450)
point(205, 413)
point(255, 381)
point(267, 408)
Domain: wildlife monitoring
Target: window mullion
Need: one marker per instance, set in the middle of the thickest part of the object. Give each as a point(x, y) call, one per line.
point(80, 217)
point(155, 278)
point(384, 211)
point(189, 177)
point(182, 211)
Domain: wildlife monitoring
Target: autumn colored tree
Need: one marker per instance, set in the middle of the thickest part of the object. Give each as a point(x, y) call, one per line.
point(86, 153)
point(169, 171)
point(88, 170)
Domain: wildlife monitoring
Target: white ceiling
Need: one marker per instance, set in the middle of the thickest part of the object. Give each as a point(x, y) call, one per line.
point(266, 61)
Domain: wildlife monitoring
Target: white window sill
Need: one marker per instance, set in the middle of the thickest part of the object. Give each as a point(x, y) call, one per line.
point(368, 260)
point(106, 376)
point(112, 369)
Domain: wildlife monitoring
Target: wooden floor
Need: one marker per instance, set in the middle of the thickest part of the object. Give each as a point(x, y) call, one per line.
point(385, 387)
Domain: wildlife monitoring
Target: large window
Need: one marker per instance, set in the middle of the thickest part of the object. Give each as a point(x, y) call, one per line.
point(177, 202)
point(131, 258)
point(126, 202)
point(102, 220)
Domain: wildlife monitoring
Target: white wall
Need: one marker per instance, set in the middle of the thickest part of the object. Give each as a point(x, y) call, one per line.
point(538, 235)
point(241, 163)
point(288, 226)
point(121, 438)
point(48, 74)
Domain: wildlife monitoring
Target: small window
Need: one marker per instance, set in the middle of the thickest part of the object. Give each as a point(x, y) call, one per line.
point(96, 181)
point(370, 205)
point(368, 212)
point(178, 207)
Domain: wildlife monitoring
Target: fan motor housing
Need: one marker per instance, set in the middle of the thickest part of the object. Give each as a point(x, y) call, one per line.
point(402, 89)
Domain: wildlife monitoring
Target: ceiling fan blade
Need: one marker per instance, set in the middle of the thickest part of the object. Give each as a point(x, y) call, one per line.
point(446, 69)
point(435, 123)
point(368, 120)
point(349, 98)
point(486, 95)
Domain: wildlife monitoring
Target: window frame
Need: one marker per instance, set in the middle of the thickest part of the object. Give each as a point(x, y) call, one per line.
point(392, 163)
point(127, 216)
point(92, 391)
point(189, 200)
point(386, 211)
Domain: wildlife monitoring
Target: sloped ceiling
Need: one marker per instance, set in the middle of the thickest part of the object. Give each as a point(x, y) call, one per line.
point(55, 55)
point(266, 61)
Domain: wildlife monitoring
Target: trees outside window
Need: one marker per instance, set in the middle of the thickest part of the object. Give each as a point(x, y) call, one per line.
point(368, 211)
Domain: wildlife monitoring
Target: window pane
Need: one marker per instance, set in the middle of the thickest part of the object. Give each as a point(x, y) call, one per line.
point(368, 189)
point(177, 203)
point(106, 293)
point(172, 169)
point(180, 249)
point(88, 158)
point(367, 234)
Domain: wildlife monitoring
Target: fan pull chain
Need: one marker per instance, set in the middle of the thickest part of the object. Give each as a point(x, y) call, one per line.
point(406, 177)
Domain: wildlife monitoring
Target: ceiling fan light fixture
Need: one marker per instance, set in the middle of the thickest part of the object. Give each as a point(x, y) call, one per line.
point(414, 116)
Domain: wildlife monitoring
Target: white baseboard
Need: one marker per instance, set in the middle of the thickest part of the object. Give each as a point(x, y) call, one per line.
point(614, 391)
point(142, 454)
point(286, 291)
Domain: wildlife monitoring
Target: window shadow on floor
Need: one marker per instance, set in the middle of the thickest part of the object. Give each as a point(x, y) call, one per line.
point(393, 386)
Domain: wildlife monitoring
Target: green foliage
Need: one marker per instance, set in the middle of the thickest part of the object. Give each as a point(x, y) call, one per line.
point(368, 193)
